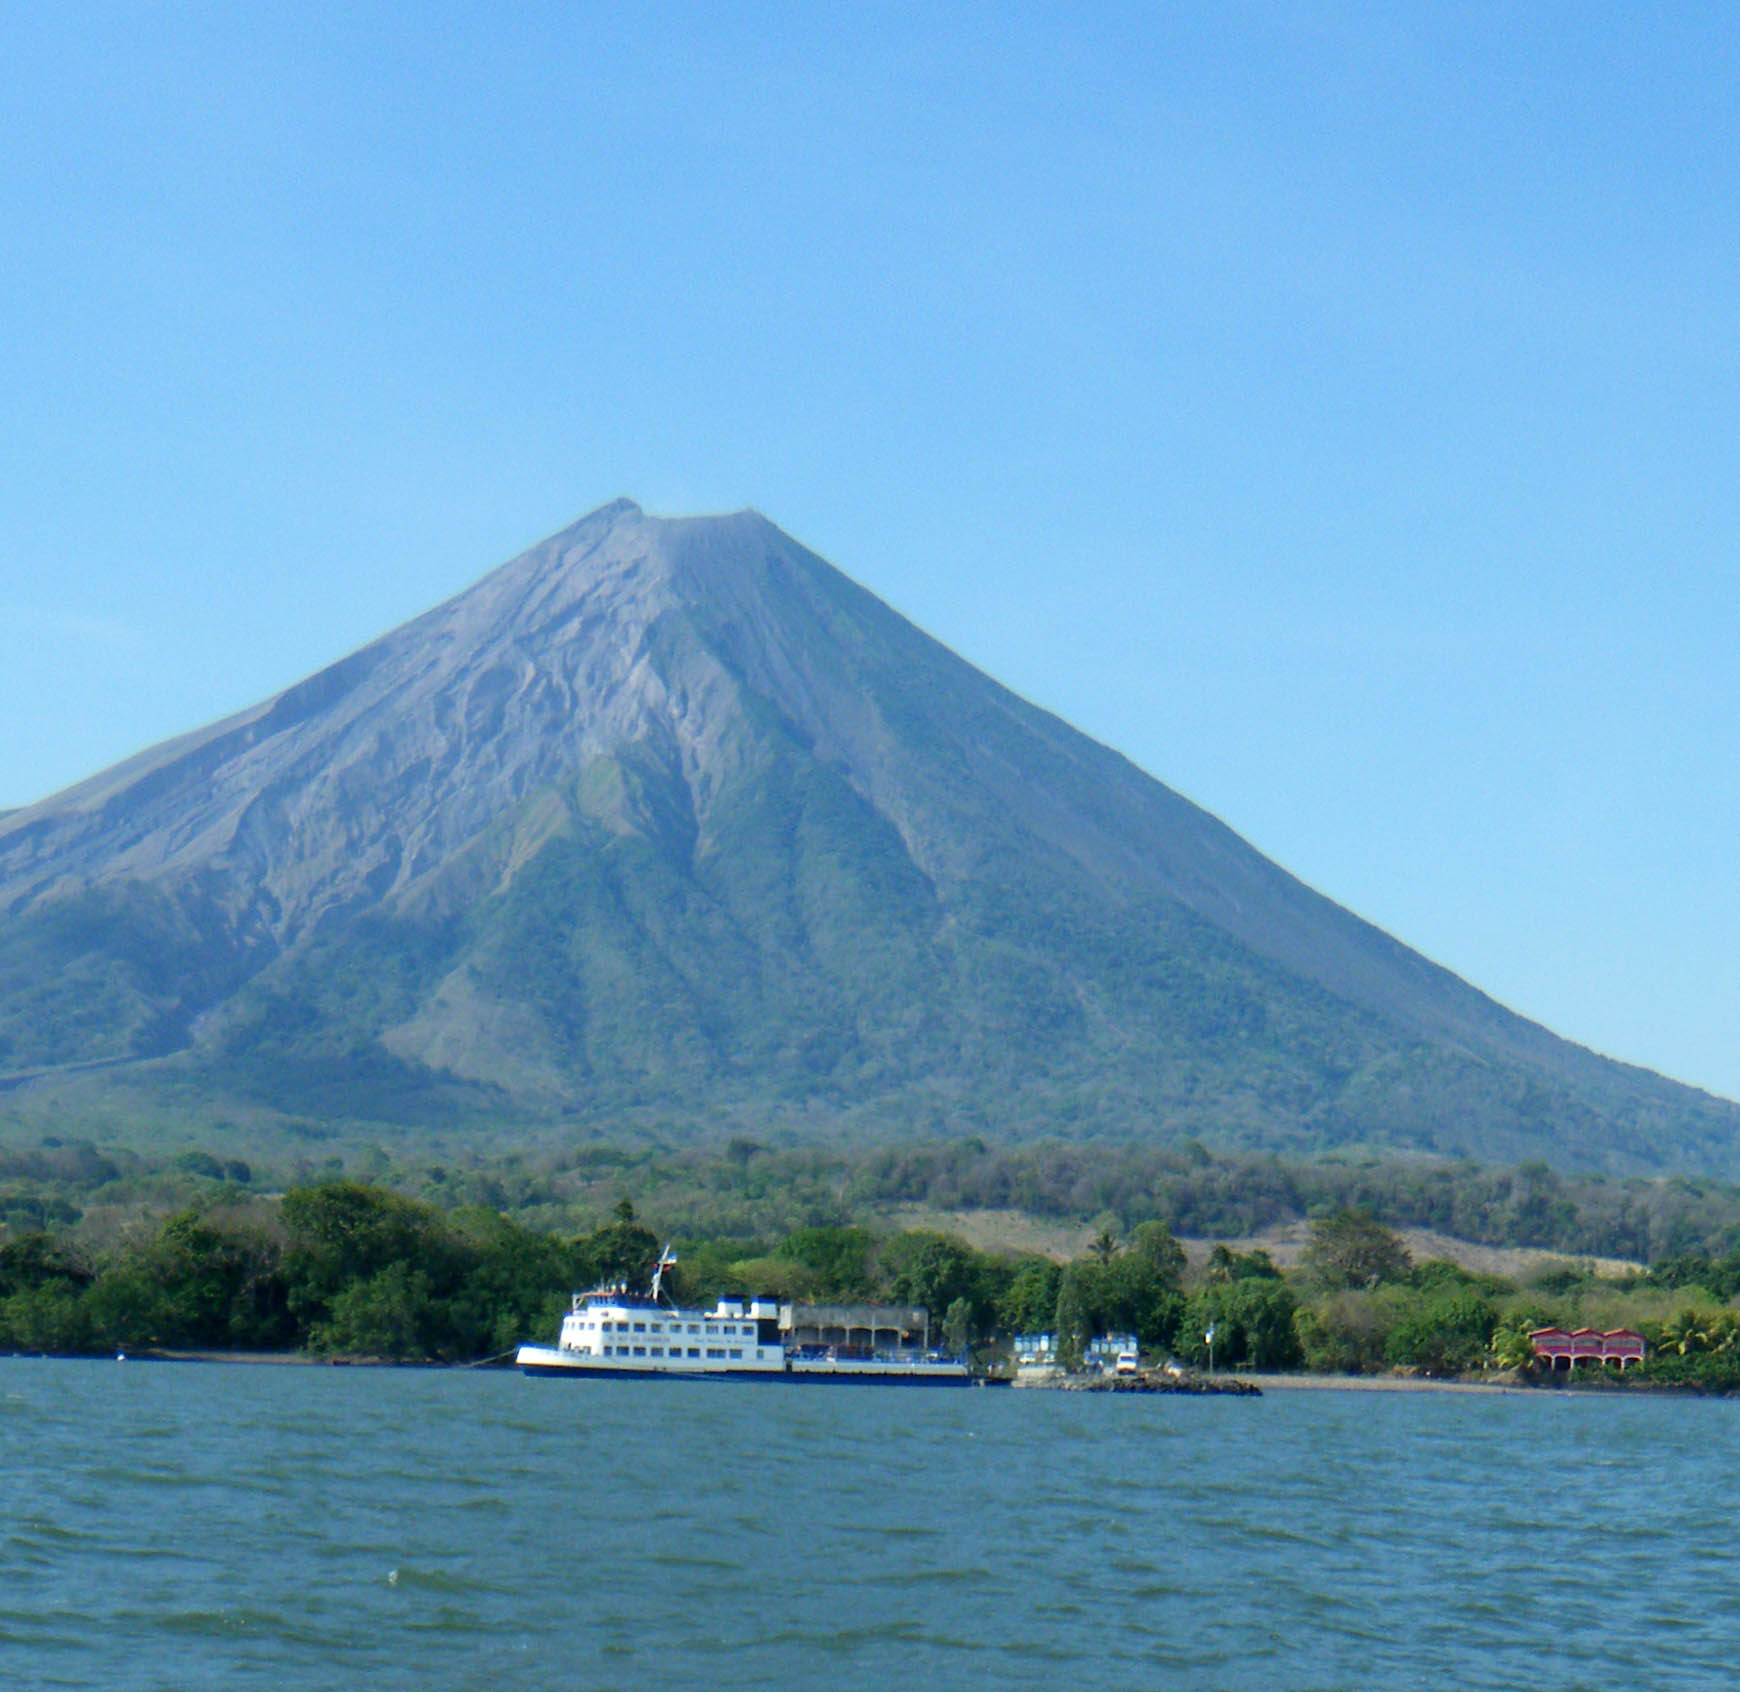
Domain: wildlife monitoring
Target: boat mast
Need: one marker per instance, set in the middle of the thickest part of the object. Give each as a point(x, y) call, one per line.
point(667, 1260)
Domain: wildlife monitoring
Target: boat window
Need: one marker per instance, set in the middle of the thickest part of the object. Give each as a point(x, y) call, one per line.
point(657, 1351)
point(607, 1351)
point(640, 1351)
point(715, 1351)
point(640, 1327)
point(736, 1352)
point(694, 1351)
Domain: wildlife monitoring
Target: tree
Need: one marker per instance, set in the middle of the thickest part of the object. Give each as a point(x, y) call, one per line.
point(1073, 1320)
point(392, 1314)
point(1347, 1332)
point(1511, 1348)
point(345, 1235)
point(1352, 1248)
point(341, 1231)
point(838, 1258)
point(1029, 1303)
point(1225, 1264)
point(50, 1317)
point(1444, 1333)
point(1684, 1334)
point(125, 1308)
point(1253, 1324)
point(1136, 1297)
point(201, 1163)
point(928, 1269)
point(1154, 1245)
point(958, 1327)
point(35, 1259)
point(42, 1287)
point(219, 1283)
point(515, 1287)
point(622, 1250)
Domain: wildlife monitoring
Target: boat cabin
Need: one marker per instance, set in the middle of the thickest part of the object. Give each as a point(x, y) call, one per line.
point(633, 1330)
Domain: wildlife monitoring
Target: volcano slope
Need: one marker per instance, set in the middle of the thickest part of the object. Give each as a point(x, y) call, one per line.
point(666, 823)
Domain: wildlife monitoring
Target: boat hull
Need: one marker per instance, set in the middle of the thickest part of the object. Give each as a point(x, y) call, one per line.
point(539, 1360)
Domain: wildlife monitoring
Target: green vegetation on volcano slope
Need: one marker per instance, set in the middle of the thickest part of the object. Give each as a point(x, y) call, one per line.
point(794, 969)
point(788, 974)
point(107, 973)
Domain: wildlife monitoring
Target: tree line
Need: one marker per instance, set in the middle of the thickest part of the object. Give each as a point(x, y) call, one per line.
point(747, 1189)
point(346, 1268)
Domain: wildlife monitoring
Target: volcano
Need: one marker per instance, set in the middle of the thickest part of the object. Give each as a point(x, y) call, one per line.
point(668, 823)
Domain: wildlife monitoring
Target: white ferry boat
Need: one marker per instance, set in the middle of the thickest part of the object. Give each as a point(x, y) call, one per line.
point(612, 1333)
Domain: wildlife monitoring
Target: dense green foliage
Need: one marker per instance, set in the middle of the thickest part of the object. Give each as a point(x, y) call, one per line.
point(336, 1268)
point(1253, 1322)
point(345, 1268)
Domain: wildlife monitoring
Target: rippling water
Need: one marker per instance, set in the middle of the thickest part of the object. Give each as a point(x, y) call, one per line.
point(284, 1527)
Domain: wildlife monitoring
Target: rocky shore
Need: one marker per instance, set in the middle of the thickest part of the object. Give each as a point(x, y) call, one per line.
point(1055, 1380)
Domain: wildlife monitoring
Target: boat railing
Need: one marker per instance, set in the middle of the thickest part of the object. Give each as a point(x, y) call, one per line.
point(913, 1359)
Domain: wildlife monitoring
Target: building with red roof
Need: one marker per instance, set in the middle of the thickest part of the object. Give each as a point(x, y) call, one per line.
point(1565, 1350)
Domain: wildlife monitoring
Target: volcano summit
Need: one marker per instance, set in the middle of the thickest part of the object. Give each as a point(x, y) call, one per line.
point(666, 821)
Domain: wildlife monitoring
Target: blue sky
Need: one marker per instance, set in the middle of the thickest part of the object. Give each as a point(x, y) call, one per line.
point(1333, 408)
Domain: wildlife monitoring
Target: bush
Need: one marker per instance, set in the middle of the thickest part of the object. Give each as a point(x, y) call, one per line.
point(1348, 1333)
point(1444, 1333)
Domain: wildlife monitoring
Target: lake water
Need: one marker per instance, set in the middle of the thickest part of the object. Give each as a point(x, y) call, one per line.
point(297, 1528)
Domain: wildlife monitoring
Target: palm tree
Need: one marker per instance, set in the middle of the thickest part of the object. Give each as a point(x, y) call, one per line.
point(1684, 1334)
point(1723, 1332)
point(1511, 1348)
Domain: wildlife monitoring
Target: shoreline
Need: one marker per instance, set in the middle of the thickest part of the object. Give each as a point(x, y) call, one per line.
point(1235, 1381)
point(1513, 1388)
point(1387, 1383)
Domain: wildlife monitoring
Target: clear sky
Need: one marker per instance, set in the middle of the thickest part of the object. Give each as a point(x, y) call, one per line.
point(1332, 407)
